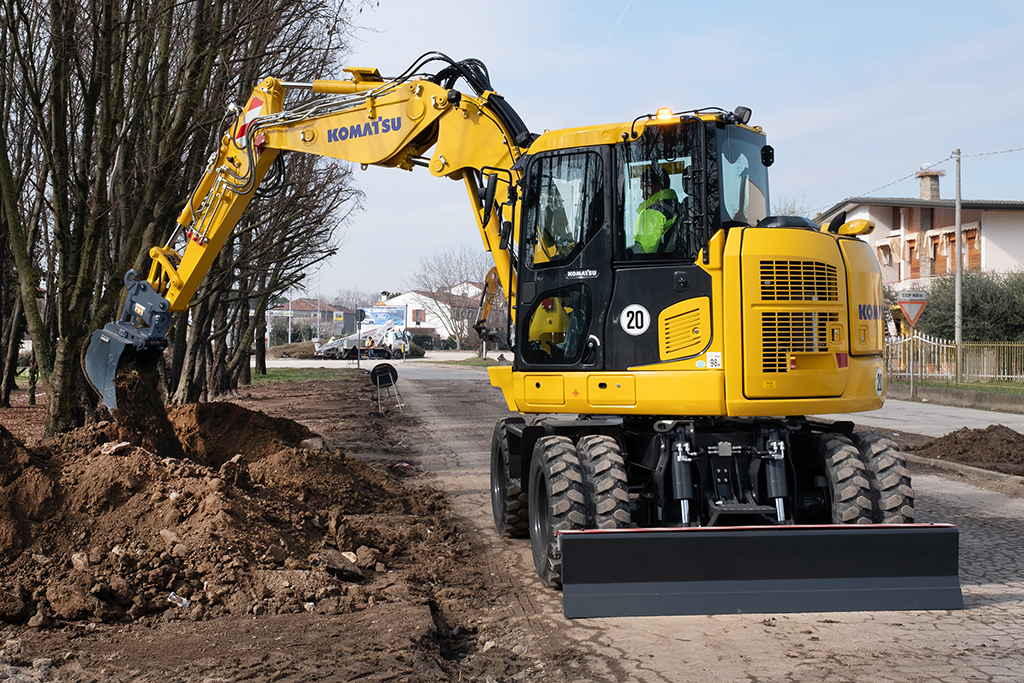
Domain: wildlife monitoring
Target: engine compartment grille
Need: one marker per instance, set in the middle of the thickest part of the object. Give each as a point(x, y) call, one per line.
point(784, 332)
point(799, 281)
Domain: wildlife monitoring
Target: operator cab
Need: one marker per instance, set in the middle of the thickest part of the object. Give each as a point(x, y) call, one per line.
point(611, 236)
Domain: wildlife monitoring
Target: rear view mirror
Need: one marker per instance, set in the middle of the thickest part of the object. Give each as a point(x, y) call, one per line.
point(488, 196)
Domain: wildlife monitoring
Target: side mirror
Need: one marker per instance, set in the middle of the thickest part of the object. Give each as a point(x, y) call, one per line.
point(488, 196)
point(506, 233)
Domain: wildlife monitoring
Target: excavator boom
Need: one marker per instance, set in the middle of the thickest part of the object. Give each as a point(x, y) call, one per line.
point(365, 119)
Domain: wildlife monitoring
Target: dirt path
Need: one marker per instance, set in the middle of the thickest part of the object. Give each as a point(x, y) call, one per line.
point(976, 644)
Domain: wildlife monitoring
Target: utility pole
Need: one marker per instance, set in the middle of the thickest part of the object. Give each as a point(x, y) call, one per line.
point(958, 316)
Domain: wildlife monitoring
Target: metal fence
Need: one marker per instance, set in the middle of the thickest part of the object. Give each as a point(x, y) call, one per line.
point(933, 359)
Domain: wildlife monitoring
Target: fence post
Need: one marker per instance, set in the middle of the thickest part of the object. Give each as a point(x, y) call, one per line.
point(912, 334)
point(956, 366)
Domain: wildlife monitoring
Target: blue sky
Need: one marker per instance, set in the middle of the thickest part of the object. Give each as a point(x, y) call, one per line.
point(853, 96)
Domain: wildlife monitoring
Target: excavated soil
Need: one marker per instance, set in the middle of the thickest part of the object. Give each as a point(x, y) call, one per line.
point(263, 538)
point(996, 448)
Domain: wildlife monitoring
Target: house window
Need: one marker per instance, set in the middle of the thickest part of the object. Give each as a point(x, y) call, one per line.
point(884, 254)
point(419, 315)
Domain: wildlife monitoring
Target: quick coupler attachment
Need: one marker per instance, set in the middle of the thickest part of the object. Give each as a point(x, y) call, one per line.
point(142, 327)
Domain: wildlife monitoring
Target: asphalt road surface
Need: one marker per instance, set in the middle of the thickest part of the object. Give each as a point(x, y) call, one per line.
point(980, 643)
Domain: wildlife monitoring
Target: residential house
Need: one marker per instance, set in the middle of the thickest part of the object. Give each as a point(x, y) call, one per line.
point(915, 239)
point(326, 320)
point(446, 314)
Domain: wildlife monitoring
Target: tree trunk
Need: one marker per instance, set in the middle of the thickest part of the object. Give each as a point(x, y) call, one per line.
point(13, 346)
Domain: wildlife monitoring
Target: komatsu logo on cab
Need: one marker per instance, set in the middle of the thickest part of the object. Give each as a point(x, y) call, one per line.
point(588, 273)
point(364, 130)
point(868, 312)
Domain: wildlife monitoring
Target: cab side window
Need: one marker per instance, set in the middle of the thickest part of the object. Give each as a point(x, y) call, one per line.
point(557, 327)
point(565, 207)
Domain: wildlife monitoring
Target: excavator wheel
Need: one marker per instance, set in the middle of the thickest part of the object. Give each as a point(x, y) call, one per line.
point(894, 495)
point(849, 481)
point(606, 486)
point(508, 502)
point(557, 503)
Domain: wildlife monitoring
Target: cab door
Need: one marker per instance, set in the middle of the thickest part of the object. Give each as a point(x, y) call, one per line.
point(565, 258)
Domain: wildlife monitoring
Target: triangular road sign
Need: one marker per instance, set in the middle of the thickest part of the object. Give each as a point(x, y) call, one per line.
point(912, 310)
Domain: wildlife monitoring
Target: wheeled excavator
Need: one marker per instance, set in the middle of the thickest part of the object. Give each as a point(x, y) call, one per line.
point(669, 337)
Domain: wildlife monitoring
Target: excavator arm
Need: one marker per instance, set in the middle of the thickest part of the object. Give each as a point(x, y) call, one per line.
point(364, 119)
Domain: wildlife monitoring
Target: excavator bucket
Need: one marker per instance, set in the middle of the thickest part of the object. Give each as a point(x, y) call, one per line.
point(142, 328)
point(100, 361)
point(716, 570)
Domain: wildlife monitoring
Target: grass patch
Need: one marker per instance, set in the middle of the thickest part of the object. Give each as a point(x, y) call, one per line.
point(303, 350)
point(301, 374)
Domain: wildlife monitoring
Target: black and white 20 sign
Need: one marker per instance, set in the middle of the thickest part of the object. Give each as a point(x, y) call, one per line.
point(635, 319)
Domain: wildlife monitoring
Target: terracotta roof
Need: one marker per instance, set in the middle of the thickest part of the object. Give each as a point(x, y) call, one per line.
point(985, 204)
point(308, 305)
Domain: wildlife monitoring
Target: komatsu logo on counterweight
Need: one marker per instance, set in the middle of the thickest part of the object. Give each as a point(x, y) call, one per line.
point(867, 312)
point(364, 130)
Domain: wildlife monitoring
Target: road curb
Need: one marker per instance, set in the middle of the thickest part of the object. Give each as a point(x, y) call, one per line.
point(965, 470)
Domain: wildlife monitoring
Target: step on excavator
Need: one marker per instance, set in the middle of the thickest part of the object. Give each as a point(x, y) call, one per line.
point(670, 337)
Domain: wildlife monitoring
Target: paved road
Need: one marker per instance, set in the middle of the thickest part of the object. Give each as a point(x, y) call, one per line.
point(930, 419)
point(979, 643)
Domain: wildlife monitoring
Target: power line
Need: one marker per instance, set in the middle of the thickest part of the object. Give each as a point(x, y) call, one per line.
point(985, 154)
point(937, 163)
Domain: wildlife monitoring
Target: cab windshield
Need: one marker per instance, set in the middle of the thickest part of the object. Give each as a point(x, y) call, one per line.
point(671, 202)
point(744, 179)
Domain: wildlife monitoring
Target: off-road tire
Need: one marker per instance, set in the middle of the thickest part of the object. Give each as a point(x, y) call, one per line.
point(508, 501)
point(557, 503)
point(849, 480)
point(605, 480)
point(893, 492)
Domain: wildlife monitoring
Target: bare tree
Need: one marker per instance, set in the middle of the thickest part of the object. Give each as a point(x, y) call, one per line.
point(444, 277)
point(111, 110)
point(354, 298)
point(791, 206)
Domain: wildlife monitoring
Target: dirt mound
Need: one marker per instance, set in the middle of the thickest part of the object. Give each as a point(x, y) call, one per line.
point(98, 529)
point(213, 433)
point(996, 448)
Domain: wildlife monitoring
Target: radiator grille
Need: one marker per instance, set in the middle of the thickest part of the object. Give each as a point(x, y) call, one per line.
point(799, 281)
point(783, 333)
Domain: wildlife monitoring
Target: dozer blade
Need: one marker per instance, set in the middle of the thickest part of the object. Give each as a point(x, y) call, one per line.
point(100, 362)
point(718, 570)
